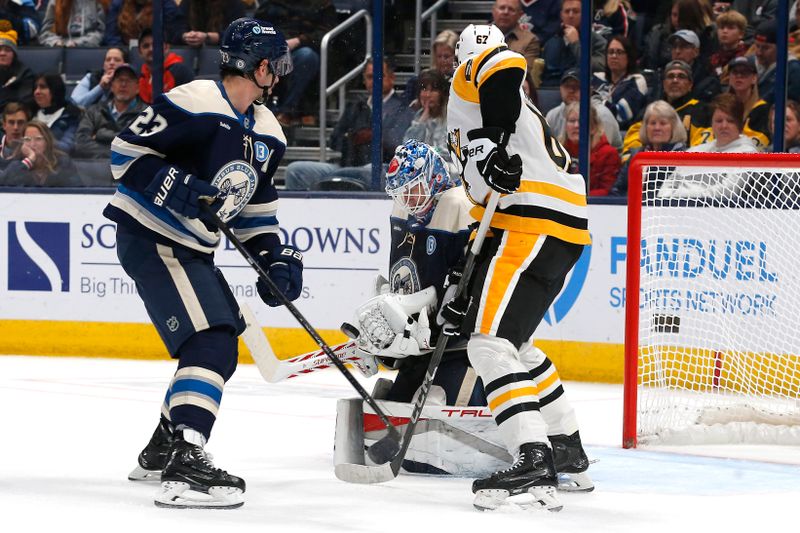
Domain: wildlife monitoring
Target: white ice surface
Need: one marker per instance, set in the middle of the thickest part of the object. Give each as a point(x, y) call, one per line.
point(73, 427)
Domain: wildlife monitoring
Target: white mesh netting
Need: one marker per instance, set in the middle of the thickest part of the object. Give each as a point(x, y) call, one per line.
point(719, 339)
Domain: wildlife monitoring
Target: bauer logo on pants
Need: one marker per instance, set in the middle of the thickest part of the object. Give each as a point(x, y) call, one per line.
point(38, 256)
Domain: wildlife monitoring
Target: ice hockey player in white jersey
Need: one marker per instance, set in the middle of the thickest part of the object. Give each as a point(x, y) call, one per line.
point(202, 142)
point(501, 142)
point(430, 227)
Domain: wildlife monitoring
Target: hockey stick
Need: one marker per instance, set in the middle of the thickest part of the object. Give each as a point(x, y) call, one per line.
point(262, 274)
point(391, 461)
point(273, 369)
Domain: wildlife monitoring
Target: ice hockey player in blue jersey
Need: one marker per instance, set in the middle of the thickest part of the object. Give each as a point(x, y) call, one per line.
point(212, 142)
point(430, 228)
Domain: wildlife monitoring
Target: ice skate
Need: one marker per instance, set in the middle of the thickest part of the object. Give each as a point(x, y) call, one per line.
point(190, 481)
point(533, 472)
point(571, 463)
point(152, 459)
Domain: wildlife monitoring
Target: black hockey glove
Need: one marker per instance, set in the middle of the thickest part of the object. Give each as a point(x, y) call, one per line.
point(284, 264)
point(181, 192)
point(453, 314)
point(487, 146)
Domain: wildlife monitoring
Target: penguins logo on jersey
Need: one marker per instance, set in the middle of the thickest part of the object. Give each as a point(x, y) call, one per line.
point(458, 155)
point(237, 182)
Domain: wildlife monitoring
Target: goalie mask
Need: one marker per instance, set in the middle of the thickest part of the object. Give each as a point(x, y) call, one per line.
point(477, 38)
point(416, 175)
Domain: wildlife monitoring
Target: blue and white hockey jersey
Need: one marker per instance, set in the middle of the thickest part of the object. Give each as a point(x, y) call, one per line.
point(421, 255)
point(196, 128)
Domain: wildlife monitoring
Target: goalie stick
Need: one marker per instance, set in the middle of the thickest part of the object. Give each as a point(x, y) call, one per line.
point(262, 274)
point(382, 452)
point(273, 369)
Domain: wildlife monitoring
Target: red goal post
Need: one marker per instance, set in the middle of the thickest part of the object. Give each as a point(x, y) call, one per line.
point(708, 225)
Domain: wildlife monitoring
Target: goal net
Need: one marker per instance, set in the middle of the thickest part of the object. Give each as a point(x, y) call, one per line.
point(712, 339)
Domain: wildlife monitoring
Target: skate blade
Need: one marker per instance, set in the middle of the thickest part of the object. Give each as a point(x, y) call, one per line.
point(178, 495)
point(578, 482)
point(493, 499)
point(142, 474)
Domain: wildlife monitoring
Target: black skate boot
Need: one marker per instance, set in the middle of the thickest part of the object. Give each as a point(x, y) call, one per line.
point(533, 472)
point(154, 456)
point(190, 480)
point(571, 463)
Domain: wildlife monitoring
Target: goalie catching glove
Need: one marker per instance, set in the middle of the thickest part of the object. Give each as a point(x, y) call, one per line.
point(284, 264)
point(386, 326)
point(487, 146)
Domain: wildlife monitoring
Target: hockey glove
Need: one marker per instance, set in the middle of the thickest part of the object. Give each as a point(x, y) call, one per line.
point(181, 192)
point(487, 146)
point(284, 264)
point(452, 314)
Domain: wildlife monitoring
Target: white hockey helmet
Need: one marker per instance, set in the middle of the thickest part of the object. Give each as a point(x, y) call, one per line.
point(477, 38)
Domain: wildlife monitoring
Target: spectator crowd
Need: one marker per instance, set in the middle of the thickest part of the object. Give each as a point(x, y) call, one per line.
point(682, 75)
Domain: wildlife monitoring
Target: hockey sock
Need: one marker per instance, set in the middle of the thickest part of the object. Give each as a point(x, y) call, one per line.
point(207, 361)
point(556, 410)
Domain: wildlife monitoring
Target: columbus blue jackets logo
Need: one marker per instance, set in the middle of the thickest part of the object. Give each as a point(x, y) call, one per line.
point(237, 182)
point(569, 294)
point(38, 256)
point(404, 278)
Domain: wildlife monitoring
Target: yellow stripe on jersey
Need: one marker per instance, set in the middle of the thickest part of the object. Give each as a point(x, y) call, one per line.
point(464, 89)
point(503, 64)
point(532, 225)
point(556, 191)
point(512, 255)
point(545, 383)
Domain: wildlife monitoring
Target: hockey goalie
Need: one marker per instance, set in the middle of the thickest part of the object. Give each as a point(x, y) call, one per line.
point(399, 326)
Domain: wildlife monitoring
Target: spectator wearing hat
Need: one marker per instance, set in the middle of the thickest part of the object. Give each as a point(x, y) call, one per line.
point(21, 16)
point(766, 52)
point(570, 90)
point(105, 119)
point(694, 114)
point(16, 79)
point(685, 46)
point(73, 23)
point(731, 26)
point(563, 51)
point(743, 76)
point(53, 110)
point(506, 15)
point(176, 72)
point(96, 85)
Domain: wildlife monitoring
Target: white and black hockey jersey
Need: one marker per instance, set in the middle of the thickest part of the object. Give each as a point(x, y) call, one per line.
point(487, 92)
point(196, 128)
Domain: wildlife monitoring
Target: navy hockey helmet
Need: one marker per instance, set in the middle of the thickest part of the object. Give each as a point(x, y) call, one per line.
point(416, 175)
point(246, 42)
